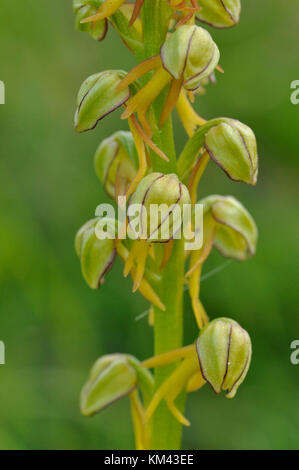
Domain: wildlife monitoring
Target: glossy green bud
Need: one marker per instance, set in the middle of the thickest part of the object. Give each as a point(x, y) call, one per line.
point(111, 378)
point(116, 163)
point(236, 232)
point(191, 53)
point(232, 145)
point(153, 191)
point(224, 354)
point(96, 255)
point(84, 9)
point(219, 13)
point(97, 97)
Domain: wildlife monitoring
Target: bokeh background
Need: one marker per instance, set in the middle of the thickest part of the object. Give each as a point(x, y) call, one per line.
point(53, 325)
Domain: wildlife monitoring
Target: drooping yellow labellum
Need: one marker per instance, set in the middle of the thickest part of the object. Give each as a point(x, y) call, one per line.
point(169, 357)
point(196, 382)
point(106, 9)
point(144, 98)
point(194, 290)
point(141, 252)
point(141, 158)
point(145, 288)
point(189, 118)
point(196, 175)
point(139, 70)
point(171, 100)
point(173, 386)
point(140, 430)
point(147, 140)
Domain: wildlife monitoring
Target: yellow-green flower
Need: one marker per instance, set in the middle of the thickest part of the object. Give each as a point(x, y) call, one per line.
point(187, 57)
point(113, 377)
point(116, 163)
point(219, 13)
point(224, 354)
point(96, 255)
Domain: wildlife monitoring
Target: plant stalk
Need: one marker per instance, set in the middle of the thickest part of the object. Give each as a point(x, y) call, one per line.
point(168, 325)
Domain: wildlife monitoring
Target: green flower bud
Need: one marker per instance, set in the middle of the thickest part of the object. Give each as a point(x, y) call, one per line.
point(219, 13)
point(84, 9)
point(97, 97)
point(116, 163)
point(153, 191)
point(232, 145)
point(96, 255)
point(224, 354)
point(190, 53)
point(236, 232)
point(111, 378)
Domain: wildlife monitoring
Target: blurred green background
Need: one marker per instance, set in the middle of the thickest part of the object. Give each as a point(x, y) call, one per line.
point(53, 325)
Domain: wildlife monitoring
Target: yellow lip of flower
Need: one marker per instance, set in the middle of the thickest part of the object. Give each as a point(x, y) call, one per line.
point(109, 7)
point(106, 9)
point(187, 375)
point(140, 102)
point(144, 287)
point(180, 64)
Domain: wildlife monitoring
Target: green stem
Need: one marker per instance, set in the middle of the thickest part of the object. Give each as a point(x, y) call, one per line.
point(168, 325)
point(168, 331)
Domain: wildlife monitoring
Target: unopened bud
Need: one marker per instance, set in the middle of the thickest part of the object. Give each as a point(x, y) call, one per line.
point(96, 255)
point(224, 354)
point(190, 53)
point(97, 97)
point(236, 232)
point(163, 196)
point(219, 13)
point(84, 9)
point(232, 145)
point(111, 378)
point(116, 163)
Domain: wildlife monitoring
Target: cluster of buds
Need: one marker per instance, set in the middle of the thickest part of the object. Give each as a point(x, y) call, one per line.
point(186, 60)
